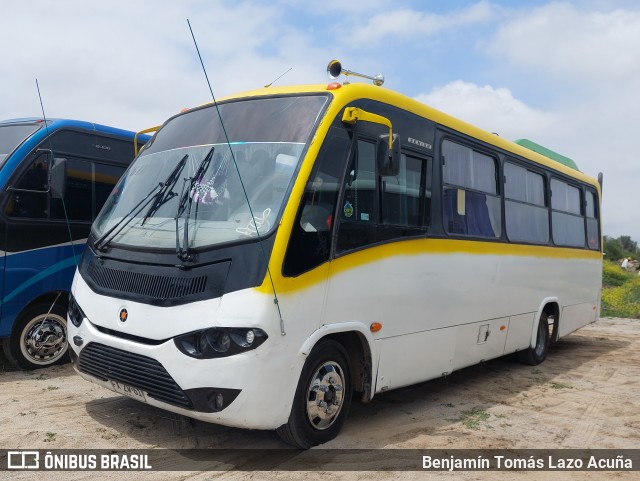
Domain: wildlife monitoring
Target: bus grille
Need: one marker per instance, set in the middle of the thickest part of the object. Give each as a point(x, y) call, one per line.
point(147, 285)
point(111, 364)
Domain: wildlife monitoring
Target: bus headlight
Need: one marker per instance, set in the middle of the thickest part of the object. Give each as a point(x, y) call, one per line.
point(74, 313)
point(219, 342)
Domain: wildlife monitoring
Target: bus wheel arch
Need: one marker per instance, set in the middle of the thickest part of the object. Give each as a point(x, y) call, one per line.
point(39, 336)
point(360, 359)
point(544, 334)
point(553, 317)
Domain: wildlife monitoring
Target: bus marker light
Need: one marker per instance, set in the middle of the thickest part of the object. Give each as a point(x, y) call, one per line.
point(334, 86)
point(375, 327)
point(502, 328)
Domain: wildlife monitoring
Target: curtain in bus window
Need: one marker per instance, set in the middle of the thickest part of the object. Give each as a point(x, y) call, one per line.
point(523, 185)
point(526, 217)
point(467, 168)
point(568, 230)
point(567, 223)
point(474, 212)
point(457, 167)
point(593, 236)
point(480, 215)
point(526, 223)
point(565, 197)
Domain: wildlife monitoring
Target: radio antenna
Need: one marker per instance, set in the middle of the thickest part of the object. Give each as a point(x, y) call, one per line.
point(278, 78)
point(64, 207)
point(235, 164)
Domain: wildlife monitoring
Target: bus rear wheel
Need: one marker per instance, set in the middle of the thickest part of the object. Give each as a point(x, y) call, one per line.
point(322, 398)
point(39, 337)
point(538, 353)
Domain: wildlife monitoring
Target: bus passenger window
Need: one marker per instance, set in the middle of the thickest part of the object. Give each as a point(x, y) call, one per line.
point(593, 234)
point(471, 204)
point(29, 196)
point(78, 193)
point(526, 213)
point(567, 223)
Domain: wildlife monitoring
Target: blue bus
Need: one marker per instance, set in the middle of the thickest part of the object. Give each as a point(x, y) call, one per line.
point(55, 175)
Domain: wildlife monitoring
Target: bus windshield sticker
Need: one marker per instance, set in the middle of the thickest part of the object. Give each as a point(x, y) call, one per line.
point(348, 209)
point(364, 216)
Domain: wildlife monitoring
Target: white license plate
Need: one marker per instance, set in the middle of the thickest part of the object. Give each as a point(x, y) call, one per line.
point(134, 392)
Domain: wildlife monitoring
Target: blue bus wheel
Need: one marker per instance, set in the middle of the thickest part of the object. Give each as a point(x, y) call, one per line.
point(39, 337)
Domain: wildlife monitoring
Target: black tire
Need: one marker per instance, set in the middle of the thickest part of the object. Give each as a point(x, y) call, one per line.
point(325, 378)
point(537, 354)
point(38, 340)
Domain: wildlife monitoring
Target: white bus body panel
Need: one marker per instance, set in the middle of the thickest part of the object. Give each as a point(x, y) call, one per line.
point(439, 312)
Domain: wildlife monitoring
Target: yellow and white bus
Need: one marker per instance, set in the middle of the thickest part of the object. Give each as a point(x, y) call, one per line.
point(270, 257)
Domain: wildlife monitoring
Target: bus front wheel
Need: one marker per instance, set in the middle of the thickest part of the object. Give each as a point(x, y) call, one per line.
point(538, 353)
point(322, 398)
point(39, 337)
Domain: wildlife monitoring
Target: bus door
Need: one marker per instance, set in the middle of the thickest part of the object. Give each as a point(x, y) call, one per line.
point(379, 272)
point(309, 248)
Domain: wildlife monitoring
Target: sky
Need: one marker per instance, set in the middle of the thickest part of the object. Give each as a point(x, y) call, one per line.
point(565, 74)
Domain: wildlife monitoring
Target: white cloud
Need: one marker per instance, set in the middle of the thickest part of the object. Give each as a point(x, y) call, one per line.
point(407, 23)
point(493, 109)
point(582, 47)
point(133, 64)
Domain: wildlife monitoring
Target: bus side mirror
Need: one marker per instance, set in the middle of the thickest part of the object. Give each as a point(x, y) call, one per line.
point(388, 157)
point(57, 179)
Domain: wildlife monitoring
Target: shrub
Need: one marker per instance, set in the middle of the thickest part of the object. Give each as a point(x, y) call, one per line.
point(613, 275)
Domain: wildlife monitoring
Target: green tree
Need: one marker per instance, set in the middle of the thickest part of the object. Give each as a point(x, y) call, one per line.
point(628, 245)
point(616, 249)
point(613, 249)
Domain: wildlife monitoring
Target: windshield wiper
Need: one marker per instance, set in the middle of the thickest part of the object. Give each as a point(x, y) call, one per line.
point(187, 197)
point(166, 192)
point(108, 236)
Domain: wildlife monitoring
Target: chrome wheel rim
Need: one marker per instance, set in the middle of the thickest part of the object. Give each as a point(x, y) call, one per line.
point(44, 339)
point(325, 395)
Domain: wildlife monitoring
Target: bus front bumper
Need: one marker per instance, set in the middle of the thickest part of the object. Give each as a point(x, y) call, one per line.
point(230, 391)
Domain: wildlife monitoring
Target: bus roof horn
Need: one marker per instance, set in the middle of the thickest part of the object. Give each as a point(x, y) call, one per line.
point(334, 69)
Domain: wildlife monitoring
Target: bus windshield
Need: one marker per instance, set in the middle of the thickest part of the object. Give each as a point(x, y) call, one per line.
point(12, 135)
point(191, 170)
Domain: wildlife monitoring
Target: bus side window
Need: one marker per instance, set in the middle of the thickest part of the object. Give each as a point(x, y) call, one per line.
point(567, 223)
point(593, 234)
point(78, 193)
point(471, 202)
point(310, 242)
point(29, 195)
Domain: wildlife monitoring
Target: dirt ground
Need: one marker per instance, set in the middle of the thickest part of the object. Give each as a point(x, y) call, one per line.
point(585, 395)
